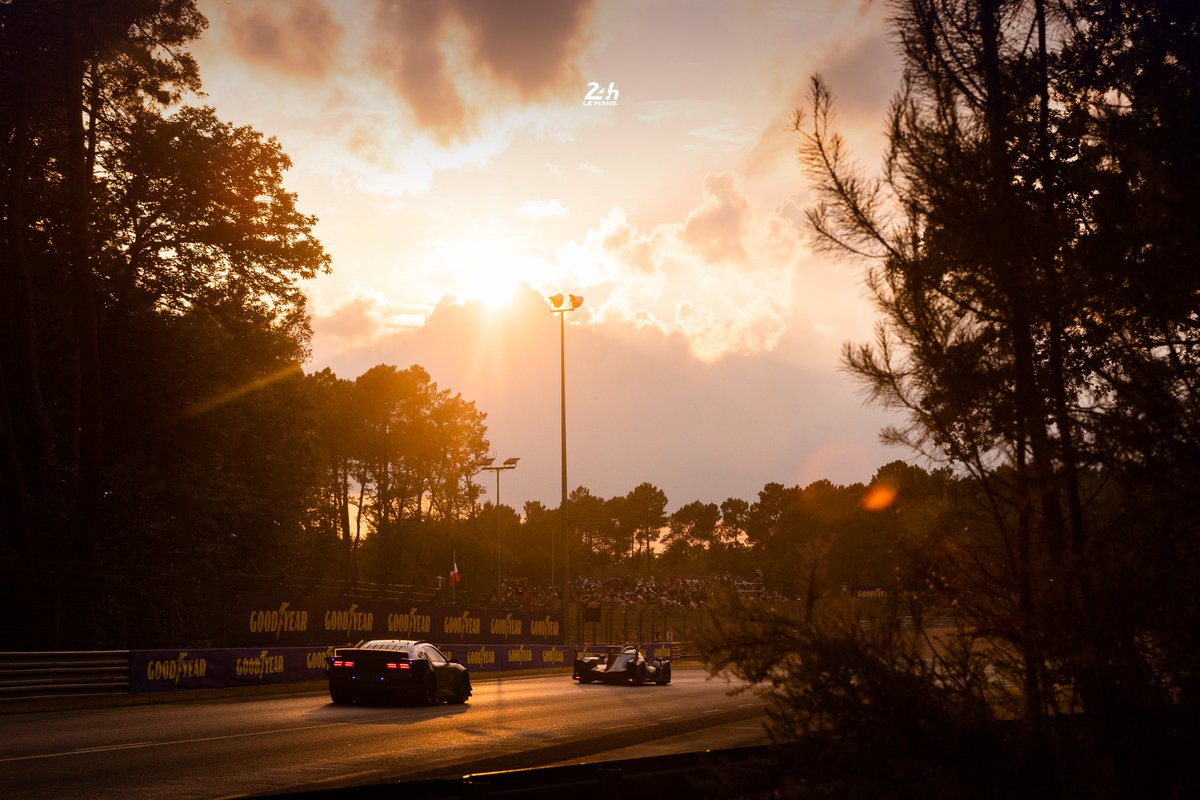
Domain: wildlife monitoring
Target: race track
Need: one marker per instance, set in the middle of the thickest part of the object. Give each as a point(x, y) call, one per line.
point(273, 744)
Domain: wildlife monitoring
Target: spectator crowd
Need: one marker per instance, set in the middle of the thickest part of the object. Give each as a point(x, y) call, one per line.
point(675, 592)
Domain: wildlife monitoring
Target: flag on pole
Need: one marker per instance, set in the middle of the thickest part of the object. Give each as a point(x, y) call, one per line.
point(454, 577)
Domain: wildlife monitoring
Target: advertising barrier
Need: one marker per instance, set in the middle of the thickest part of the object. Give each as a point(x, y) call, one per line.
point(280, 621)
point(204, 668)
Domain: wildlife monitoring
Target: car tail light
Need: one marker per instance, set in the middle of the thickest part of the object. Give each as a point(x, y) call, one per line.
point(341, 662)
point(399, 665)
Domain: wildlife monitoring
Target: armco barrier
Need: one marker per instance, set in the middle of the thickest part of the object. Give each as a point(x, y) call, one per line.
point(59, 673)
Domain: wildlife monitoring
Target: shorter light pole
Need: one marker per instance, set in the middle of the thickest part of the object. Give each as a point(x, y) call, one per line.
point(490, 465)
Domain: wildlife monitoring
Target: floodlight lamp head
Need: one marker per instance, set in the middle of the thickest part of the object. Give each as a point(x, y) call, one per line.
point(556, 300)
point(576, 301)
point(511, 462)
point(487, 462)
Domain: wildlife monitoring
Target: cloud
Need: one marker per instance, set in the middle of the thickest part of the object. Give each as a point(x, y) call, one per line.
point(446, 61)
point(540, 209)
point(715, 228)
point(299, 38)
point(863, 70)
point(386, 96)
point(364, 320)
point(726, 135)
point(729, 279)
point(722, 278)
point(529, 46)
point(854, 70)
point(413, 60)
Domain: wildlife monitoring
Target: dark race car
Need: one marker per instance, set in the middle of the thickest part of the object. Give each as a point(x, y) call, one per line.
point(626, 665)
point(396, 669)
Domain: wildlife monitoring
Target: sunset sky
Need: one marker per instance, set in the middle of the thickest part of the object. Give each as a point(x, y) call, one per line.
point(460, 175)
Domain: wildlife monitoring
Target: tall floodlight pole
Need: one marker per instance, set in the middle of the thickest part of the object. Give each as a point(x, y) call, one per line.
point(560, 305)
point(489, 465)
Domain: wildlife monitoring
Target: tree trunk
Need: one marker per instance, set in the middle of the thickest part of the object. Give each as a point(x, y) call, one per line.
point(87, 449)
point(26, 433)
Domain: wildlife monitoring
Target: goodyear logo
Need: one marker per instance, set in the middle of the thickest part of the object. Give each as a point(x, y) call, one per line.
point(520, 655)
point(410, 622)
point(481, 657)
point(259, 666)
point(279, 620)
point(552, 656)
point(175, 670)
point(462, 624)
point(318, 659)
point(506, 626)
point(546, 628)
point(349, 621)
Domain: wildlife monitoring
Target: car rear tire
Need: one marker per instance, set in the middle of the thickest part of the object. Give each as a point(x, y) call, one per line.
point(664, 674)
point(340, 696)
point(464, 691)
point(431, 694)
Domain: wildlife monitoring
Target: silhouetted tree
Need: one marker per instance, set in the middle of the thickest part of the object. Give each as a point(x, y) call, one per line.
point(590, 536)
point(692, 531)
point(1032, 252)
point(152, 324)
point(331, 506)
point(67, 69)
point(531, 543)
point(415, 449)
point(643, 513)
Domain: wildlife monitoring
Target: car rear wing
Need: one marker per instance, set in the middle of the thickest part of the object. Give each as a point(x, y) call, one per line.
point(600, 650)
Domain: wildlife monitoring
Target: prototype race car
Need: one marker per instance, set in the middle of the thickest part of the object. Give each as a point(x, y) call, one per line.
point(384, 669)
point(626, 665)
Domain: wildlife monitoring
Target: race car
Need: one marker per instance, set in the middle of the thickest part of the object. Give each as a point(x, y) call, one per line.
point(626, 665)
point(384, 669)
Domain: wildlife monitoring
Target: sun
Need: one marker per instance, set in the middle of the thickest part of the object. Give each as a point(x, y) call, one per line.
point(488, 284)
point(488, 272)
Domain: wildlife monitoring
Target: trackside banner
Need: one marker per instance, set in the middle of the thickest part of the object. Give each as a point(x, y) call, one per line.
point(488, 658)
point(180, 670)
point(277, 621)
point(202, 668)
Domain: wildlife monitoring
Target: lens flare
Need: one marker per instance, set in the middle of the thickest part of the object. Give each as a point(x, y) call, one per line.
point(878, 497)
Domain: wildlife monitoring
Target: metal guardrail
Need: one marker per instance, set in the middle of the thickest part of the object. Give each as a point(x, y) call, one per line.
point(32, 675)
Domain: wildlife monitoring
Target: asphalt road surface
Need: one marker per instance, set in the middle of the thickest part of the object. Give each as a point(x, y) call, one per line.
point(272, 744)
